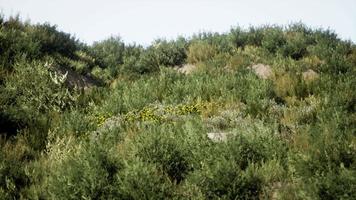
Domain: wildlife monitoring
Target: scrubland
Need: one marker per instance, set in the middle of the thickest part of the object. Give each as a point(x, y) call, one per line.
point(262, 113)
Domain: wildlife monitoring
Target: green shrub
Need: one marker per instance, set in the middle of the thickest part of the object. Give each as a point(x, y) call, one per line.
point(160, 148)
point(273, 39)
point(109, 54)
point(172, 53)
point(254, 92)
point(13, 175)
point(160, 53)
point(78, 170)
point(238, 37)
point(141, 180)
point(102, 74)
point(224, 180)
point(341, 186)
point(52, 41)
point(246, 152)
point(15, 42)
point(34, 91)
point(222, 42)
point(295, 46)
point(255, 36)
point(285, 86)
point(200, 52)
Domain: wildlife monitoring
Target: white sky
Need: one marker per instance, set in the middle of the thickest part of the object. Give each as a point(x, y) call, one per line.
point(142, 21)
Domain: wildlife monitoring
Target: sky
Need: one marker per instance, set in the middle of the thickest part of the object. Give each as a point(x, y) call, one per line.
point(142, 21)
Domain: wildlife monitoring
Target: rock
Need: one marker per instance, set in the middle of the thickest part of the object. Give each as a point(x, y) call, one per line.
point(218, 136)
point(262, 71)
point(310, 75)
point(186, 69)
point(74, 79)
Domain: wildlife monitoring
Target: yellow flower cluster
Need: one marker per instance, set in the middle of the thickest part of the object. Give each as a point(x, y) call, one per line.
point(146, 114)
point(98, 120)
point(156, 114)
point(161, 114)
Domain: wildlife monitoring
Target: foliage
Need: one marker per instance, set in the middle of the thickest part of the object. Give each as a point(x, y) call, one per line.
point(201, 51)
point(110, 53)
point(35, 91)
point(80, 170)
point(146, 134)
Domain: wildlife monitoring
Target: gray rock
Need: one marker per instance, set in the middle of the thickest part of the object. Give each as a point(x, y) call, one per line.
point(262, 71)
point(186, 69)
point(310, 75)
point(218, 136)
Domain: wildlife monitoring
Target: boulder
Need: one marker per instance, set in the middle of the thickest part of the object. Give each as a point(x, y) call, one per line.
point(310, 75)
point(186, 69)
point(218, 136)
point(262, 71)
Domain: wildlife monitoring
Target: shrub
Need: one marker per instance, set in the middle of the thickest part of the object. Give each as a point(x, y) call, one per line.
point(254, 92)
point(160, 148)
point(324, 169)
point(285, 85)
point(15, 41)
point(52, 41)
point(246, 152)
point(141, 180)
point(224, 180)
point(80, 170)
point(34, 91)
point(170, 53)
point(110, 53)
point(340, 186)
point(148, 136)
point(222, 42)
point(255, 36)
point(147, 63)
point(200, 52)
point(238, 37)
point(102, 74)
point(295, 46)
point(14, 178)
point(160, 53)
point(273, 39)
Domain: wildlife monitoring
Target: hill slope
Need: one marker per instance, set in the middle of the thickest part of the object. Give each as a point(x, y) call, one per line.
point(264, 113)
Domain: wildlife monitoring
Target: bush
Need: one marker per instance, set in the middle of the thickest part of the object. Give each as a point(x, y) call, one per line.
point(34, 91)
point(80, 170)
point(171, 53)
point(340, 186)
point(273, 39)
point(295, 46)
point(51, 41)
point(238, 37)
point(160, 53)
point(15, 41)
point(160, 148)
point(141, 180)
point(285, 86)
point(200, 52)
point(222, 42)
point(14, 178)
point(109, 54)
point(224, 180)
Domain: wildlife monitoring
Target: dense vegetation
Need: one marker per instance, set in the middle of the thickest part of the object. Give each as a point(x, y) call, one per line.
point(141, 129)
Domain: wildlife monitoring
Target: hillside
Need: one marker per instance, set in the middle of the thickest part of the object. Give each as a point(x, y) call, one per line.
point(260, 113)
